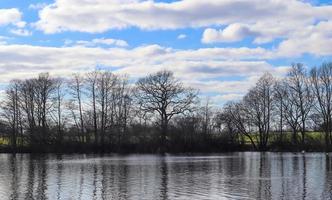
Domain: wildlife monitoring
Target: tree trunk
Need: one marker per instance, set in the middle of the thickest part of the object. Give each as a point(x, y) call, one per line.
point(164, 127)
point(94, 115)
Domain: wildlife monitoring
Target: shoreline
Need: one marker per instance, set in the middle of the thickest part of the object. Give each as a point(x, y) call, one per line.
point(3, 151)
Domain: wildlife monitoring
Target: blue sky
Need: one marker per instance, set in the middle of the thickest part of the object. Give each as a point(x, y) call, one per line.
point(218, 46)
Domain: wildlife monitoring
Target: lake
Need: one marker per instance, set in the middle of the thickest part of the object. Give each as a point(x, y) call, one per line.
point(240, 175)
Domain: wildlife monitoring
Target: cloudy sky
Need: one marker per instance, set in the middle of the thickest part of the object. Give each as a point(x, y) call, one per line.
point(218, 46)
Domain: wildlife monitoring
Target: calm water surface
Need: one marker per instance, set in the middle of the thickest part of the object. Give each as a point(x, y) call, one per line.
point(222, 176)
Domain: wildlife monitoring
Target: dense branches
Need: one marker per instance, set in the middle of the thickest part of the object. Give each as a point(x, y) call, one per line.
point(164, 94)
point(287, 105)
point(321, 79)
point(101, 111)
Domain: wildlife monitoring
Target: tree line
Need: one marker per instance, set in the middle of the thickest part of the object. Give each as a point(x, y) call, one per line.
point(291, 112)
point(95, 111)
point(104, 112)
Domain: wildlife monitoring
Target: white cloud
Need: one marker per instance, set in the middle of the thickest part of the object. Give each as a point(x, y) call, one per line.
point(110, 41)
point(101, 41)
point(181, 36)
point(103, 15)
point(21, 32)
point(232, 33)
point(263, 20)
point(20, 24)
point(315, 40)
point(10, 16)
point(223, 98)
point(301, 27)
point(205, 69)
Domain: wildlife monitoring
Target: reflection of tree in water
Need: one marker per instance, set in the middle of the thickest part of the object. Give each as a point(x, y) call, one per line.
point(14, 180)
point(123, 179)
point(234, 174)
point(42, 175)
point(104, 183)
point(282, 175)
point(255, 175)
point(328, 176)
point(36, 185)
point(30, 178)
point(304, 176)
point(190, 170)
point(164, 179)
point(59, 176)
point(112, 181)
point(292, 178)
point(328, 163)
point(264, 179)
point(95, 180)
point(81, 186)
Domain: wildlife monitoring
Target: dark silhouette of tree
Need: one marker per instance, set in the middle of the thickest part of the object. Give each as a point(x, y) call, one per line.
point(58, 109)
point(163, 93)
point(321, 80)
point(100, 111)
point(279, 99)
point(91, 81)
point(11, 111)
point(258, 107)
point(300, 94)
point(235, 115)
point(76, 85)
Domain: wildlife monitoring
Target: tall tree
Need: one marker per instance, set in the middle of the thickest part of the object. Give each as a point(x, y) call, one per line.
point(58, 106)
point(258, 105)
point(104, 85)
point(11, 111)
point(163, 93)
point(300, 94)
point(235, 115)
point(279, 101)
point(27, 94)
point(44, 91)
point(206, 114)
point(321, 79)
point(76, 85)
point(91, 81)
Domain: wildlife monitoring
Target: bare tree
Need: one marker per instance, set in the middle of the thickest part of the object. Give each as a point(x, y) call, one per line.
point(163, 93)
point(35, 100)
point(76, 85)
point(321, 79)
point(225, 122)
point(292, 113)
point(44, 91)
point(91, 81)
point(236, 115)
point(258, 105)
point(43, 110)
point(58, 106)
point(27, 94)
point(279, 101)
point(121, 103)
point(207, 114)
point(104, 85)
point(300, 94)
point(11, 111)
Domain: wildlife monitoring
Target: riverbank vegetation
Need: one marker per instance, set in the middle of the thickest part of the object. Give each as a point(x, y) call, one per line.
point(103, 112)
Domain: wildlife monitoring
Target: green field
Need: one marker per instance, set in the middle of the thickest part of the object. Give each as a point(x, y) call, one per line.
point(4, 141)
point(287, 137)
